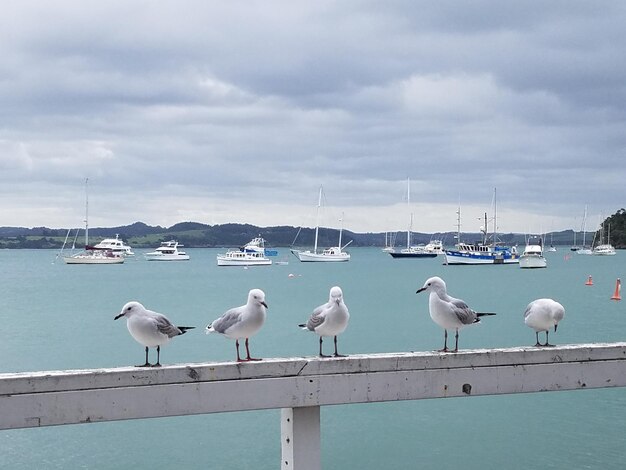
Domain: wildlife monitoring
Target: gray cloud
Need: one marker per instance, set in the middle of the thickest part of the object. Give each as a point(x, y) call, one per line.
point(237, 111)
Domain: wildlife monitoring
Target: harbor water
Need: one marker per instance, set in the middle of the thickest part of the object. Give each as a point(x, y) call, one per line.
point(56, 316)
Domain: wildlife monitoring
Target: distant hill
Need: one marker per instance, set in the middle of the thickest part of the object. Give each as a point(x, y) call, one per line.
point(194, 234)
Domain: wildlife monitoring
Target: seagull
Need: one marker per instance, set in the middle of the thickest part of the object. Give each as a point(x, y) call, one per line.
point(448, 312)
point(543, 314)
point(242, 322)
point(329, 319)
point(150, 328)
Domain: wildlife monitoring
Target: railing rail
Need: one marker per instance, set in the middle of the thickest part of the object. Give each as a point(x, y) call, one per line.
point(300, 386)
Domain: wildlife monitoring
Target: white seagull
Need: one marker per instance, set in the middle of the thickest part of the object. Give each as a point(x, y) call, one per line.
point(150, 329)
point(329, 319)
point(543, 314)
point(242, 322)
point(448, 312)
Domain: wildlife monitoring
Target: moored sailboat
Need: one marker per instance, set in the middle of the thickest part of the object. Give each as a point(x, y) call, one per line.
point(91, 254)
point(332, 254)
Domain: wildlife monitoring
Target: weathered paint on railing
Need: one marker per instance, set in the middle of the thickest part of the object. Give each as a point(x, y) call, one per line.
point(300, 386)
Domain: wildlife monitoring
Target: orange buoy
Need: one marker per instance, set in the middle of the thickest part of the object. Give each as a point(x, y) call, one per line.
point(589, 281)
point(618, 287)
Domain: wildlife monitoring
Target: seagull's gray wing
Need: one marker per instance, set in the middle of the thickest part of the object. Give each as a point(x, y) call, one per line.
point(165, 326)
point(466, 315)
point(315, 320)
point(527, 312)
point(317, 317)
point(227, 320)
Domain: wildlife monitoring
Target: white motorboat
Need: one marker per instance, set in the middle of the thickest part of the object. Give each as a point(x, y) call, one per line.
point(332, 254)
point(435, 246)
point(252, 254)
point(168, 251)
point(532, 257)
point(115, 245)
point(91, 255)
point(243, 258)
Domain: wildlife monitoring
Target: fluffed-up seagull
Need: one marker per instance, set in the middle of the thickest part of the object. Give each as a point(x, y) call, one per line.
point(329, 319)
point(242, 322)
point(448, 312)
point(543, 314)
point(150, 329)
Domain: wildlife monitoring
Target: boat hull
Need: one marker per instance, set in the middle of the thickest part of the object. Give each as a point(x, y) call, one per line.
point(225, 261)
point(93, 260)
point(399, 254)
point(157, 257)
point(460, 258)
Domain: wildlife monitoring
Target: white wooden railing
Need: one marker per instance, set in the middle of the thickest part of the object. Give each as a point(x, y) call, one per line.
point(299, 386)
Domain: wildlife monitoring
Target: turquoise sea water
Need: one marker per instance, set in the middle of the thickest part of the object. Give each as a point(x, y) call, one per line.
point(56, 316)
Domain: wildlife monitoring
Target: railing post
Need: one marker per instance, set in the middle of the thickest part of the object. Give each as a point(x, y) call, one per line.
point(300, 438)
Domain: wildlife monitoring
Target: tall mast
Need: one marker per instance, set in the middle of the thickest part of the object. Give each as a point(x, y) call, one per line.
point(408, 204)
point(495, 217)
point(317, 219)
point(86, 213)
point(585, 226)
point(340, 230)
point(458, 223)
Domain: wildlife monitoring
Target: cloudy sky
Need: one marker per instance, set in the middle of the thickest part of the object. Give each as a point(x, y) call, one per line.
point(237, 111)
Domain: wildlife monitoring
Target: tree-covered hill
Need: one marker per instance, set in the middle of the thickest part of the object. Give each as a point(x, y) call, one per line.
point(194, 234)
point(615, 229)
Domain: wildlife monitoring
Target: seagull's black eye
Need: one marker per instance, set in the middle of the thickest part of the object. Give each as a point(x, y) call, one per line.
point(128, 309)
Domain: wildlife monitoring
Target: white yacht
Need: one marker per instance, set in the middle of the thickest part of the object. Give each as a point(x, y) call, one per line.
point(94, 257)
point(604, 249)
point(168, 251)
point(532, 257)
point(115, 245)
point(253, 254)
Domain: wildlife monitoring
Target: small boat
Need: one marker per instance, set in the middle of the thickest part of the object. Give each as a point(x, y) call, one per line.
point(435, 246)
point(91, 254)
point(532, 257)
point(332, 254)
point(252, 254)
point(168, 251)
point(604, 249)
point(413, 252)
point(115, 245)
